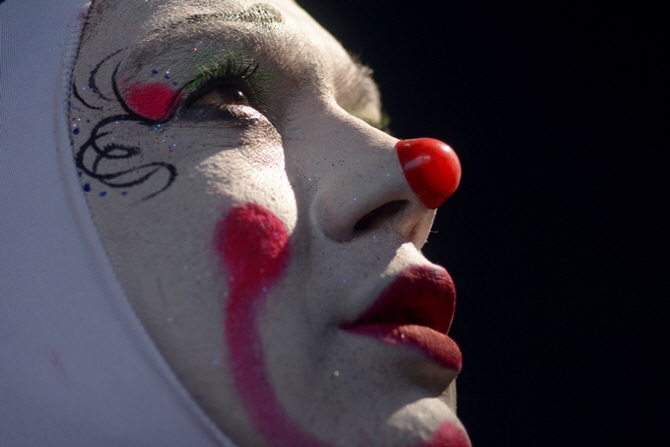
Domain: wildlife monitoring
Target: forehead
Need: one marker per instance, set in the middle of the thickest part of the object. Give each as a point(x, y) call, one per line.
point(274, 29)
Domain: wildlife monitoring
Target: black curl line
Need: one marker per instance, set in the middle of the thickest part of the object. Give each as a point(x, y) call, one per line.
point(94, 74)
point(117, 151)
point(75, 92)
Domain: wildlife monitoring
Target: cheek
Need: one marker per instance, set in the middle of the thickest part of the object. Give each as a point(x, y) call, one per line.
point(155, 101)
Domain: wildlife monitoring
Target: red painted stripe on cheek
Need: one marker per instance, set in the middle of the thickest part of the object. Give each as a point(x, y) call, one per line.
point(253, 247)
point(154, 101)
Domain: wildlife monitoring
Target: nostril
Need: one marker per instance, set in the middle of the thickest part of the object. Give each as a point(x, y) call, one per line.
point(374, 218)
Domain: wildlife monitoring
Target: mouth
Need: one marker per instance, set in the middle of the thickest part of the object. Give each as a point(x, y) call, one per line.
point(415, 311)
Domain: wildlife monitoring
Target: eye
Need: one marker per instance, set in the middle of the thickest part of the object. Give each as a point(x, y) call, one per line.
point(219, 99)
point(221, 94)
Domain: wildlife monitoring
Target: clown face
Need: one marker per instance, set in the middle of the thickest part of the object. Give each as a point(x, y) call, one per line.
point(261, 224)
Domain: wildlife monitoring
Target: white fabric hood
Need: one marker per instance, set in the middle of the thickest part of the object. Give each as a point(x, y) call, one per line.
point(76, 365)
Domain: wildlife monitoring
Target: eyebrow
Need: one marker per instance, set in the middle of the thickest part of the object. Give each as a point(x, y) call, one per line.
point(259, 14)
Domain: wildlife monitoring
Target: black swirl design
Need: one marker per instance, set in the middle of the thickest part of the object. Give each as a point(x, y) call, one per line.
point(92, 153)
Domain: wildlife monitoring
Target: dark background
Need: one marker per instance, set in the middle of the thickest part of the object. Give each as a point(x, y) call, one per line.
point(553, 238)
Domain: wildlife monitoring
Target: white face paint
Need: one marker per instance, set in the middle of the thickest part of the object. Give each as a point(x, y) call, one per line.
point(254, 214)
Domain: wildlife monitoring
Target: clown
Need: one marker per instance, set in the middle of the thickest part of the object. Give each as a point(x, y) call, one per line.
point(241, 241)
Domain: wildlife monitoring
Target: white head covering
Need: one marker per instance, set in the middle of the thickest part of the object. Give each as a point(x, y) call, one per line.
point(76, 365)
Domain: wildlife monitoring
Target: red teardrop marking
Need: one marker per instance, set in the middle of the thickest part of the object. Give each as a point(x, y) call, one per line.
point(431, 168)
point(254, 249)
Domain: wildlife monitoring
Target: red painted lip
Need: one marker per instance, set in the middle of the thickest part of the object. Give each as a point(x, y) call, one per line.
point(415, 310)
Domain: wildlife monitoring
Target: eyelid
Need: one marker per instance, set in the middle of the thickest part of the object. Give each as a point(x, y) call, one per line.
point(217, 74)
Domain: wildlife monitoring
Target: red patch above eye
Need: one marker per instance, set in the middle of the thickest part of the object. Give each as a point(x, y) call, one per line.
point(154, 101)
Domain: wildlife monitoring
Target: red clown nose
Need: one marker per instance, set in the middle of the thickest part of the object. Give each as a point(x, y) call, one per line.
point(431, 168)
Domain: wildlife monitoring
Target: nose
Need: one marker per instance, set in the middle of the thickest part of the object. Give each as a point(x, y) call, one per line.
point(377, 182)
point(431, 168)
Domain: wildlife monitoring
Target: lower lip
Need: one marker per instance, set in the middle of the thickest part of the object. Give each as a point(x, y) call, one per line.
point(437, 346)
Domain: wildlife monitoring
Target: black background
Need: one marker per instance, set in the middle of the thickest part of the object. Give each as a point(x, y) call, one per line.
point(553, 238)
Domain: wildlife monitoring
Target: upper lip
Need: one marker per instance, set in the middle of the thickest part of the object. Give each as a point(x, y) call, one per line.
point(419, 295)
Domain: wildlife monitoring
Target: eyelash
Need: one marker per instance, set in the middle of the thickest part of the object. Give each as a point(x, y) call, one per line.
point(228, 72)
